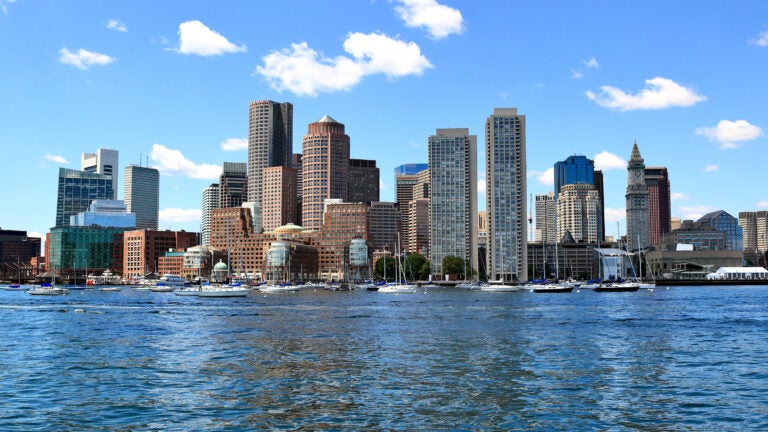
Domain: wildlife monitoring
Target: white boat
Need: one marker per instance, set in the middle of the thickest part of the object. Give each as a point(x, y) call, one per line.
point(399, 288)
point(618, 287)
point(112, 288)
point(192, 291)
point(171, 280)
point(15, 287)
point(48, 290)
point(106, 278)
point(279, 288)
point(223, 291)
point(500, 287)
point(553, 288)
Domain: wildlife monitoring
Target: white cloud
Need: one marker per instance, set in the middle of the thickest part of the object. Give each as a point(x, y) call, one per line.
point(762, 40)
point(439, 20)
point(576, 74)
point(591, 63)
point(382, 185)
point(694, 213)
point(481, 186)
point(546, 177)
point(730, 134)
point(711, 168)
point(55, 159)
point(679, 196)
point(762, 204)
point(302, 71)
point(4, 5)
point(615, 215)
point(83, 59)
point(116, 24)
point(659, 93)
point(196, 38)
point(171, 215)
point(608, 161)
point(235, 144)
point(172, 162)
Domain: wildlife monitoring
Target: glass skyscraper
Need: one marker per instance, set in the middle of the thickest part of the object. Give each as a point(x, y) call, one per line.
point(574, 170)
point(77, 189)
point(105, 213)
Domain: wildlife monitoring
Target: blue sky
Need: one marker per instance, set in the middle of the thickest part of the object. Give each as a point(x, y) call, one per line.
point(171, 82)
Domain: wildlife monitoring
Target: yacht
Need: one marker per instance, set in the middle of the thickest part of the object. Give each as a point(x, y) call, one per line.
point(230, 290)
point(168, 283)
point(48, 290)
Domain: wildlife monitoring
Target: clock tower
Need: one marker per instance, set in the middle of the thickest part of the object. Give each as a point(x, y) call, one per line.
point(638, 215)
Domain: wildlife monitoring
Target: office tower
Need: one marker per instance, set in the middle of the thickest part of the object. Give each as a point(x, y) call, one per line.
point(659, 204)
point(142, 195)
point(453, 197)
point(723, 222)
point(412, 183)
point(505, 172)
point(325, 168)
point(574, 170)
point(270, 142)
point(104, 161)
point(754, 226)
point(210, 202)
point(296, 164)
point(279, 197)
point(232, 184)
point(637, 202)
point(546, 219)
point(578, 213)
point(363, 181)
point(77, 189)
point(105, 213)
point(598, 183)
point(383, 225)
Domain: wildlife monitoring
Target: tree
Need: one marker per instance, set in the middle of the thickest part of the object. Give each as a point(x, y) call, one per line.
point(378, 269)
point(414, 266)
point(453, 265)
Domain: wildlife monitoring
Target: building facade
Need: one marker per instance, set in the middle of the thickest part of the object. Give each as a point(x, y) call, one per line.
point(104, 161)
point(233, 184)
point(383, 225)
point(270, 142)
point(659, 204)
point(363, 181)
point(578, 213)
point(638, 216)
point(574, 170)
point(210, 202)
point(343, 223)
point(546, 218)
point(505, 172)
point(727, 224)
point(143, 248)
point(75, 251)
point(453, 197)
point(279, 194)
point(412, 183)
point(77, 189)
point(754, 226)
point(106, 213)
point(325, 168)
point(142, 195)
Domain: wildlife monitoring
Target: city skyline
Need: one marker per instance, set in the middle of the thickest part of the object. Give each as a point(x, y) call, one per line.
point(169, 87)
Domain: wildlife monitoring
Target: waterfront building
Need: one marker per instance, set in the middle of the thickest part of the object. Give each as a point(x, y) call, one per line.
point(383, 224)
point(143, 248)
point(289, 261)
point(363, 181)
point(172, 262)
point(659, 204)
point(689, 264)
point(343, 222)
point(279, 196)
point(270, 143)
point(142, 195)
point(453, 197)
point(569, 260)
point(578, 213)
point(77, 189)
point(75, 251)
point(210, 202)
point(104, 161)
point(638, 216)
point(106, 213)
point(232, 231)
point(546, 218)
point(697, 235)
point(505, 172)
point(727, 224)
point(17, 251)
point(325, 168)
point(232, 184)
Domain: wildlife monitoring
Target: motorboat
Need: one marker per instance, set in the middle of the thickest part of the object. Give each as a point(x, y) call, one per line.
point(223, 291)
point(398, 288)
point(111, 288)
point(279, 288)
point(48, 290)
point(499, 286)
point(191, 290)
point(553, 288)
point(618, 287)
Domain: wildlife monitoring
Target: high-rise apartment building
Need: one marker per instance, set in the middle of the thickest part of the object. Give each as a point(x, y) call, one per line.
point(453, 197)
point(505, 172)
point(416, 235)
point(279, 197)
point(659, 204)
point(754, 226)
point(270, 142)
point(578, 213)
point(546, 219)
point(325, 168)
point(638, 216)
point(232, 184)
point(411, 184)
point(210, 202)
point(142, 195)
point(363, 181)
point(77, 189)
point(104, 161)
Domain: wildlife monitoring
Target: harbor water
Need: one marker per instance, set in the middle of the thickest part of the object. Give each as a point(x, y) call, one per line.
point(682, 358)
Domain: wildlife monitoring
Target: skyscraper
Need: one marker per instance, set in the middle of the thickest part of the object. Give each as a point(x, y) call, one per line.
point(325, 168)
point(754, 226)
point(210, 202)
point(279, 197)
point(453, 197)
point(77, 189)
point(412, 183)
point(232, 184)
point(578, 213)
point(637, 202)
point(142, 195)
point(270, 142)
point(104, 161)
point(574, 170)
point(546, 218)
point(659, 204)
point(363, 181)
point(505, 172)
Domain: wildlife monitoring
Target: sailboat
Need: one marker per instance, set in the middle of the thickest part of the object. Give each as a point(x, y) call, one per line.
point(621, 285)
point(643, 285)
point(49, 289)
point(16, 286)
point(226, 289)
point(401, 285)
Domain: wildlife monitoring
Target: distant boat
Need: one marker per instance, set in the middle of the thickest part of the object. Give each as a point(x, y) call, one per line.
point(111, 288)
point(223, 291)
point(15, 287)
point(499, 286)
point(618, 287)
point(192, 291)
point(48, 290)
point(168, 283)
point(553, 288)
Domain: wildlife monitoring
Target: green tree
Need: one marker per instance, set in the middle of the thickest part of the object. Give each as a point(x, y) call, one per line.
point(414, 267)
point(453, 265)
point(378, 269)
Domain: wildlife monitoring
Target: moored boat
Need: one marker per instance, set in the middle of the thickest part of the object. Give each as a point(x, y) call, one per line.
point(48, 290)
